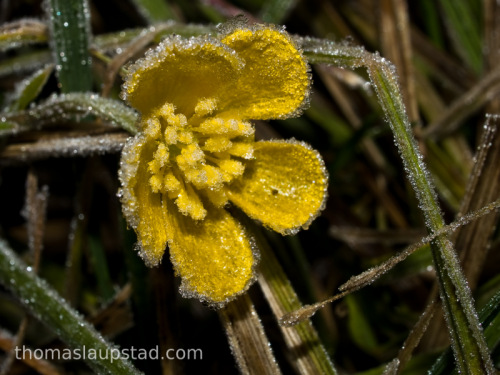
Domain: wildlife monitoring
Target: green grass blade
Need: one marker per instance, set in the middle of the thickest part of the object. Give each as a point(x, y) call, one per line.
point(154, 11)
point(468, 341)
point(21, 33)
point(275, 11)
point(29, 89)
point(359, 327)
point(465, 31)
point(61, 108)
point(490, 320)
point(302, 339)
point(432, 22)
point(100, 265)
point(70, 30)
point(48, 307)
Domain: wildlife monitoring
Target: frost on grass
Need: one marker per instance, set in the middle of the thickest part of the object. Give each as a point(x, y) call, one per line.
point(20, 33)
point(371, 275)
point(65, 107)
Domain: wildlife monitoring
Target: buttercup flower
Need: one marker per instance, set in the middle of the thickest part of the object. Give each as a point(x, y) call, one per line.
point(195, 152)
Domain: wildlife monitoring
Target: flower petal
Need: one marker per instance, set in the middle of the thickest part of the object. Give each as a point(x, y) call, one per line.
point(181, 72)
point(141, 207)
point(213, 256)
point(284, 187)
point(275, 80)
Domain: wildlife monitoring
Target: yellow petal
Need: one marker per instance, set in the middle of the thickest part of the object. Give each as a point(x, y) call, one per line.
point(213, 256)
point(284, 187)
point(181, 72)
point(274, 82)
point(141, 207)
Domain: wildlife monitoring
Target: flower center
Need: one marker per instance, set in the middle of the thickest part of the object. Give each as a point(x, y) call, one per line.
point(195, 157)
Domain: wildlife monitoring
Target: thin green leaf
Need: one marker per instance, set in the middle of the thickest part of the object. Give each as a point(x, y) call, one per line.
point(29, 89)
point(20, 33)
point(359, 327)
point(6, 126)
point(69, 22)
point(122, 39)
point(275, 11)
point(154, 11)
point(100, 265)
point(464, 30)
point(490, 320)
point(468, 341)
point(431, 21)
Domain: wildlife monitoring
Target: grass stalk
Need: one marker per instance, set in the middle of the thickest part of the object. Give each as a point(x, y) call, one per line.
point(247, 339)
point(302, 339)
point(468, 342)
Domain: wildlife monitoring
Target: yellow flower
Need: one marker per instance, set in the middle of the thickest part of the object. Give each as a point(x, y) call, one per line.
point(195, 152)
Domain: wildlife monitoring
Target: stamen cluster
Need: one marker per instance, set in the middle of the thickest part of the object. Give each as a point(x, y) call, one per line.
point(195, 157)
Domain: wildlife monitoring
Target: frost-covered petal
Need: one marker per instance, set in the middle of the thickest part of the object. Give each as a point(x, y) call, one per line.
point(142, 208)
point(181, 72)
point(284, 187)
point(213, 256)
point(274, 82)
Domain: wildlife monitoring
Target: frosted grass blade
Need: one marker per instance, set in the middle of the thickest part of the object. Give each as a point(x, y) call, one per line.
point(468, 342)
point(69, 24)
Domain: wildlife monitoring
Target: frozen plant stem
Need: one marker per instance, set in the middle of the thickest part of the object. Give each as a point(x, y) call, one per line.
point(247, 339)
point(48, 307)
point(468, 343)
point(310, 357)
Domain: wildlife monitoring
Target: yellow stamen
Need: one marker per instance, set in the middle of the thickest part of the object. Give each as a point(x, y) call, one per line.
point(154, 166)
point(161, 154)
point(231, 169)
point(171, 183)
point(217, 144)
point(170, 134)
point(177, 121)
point(189, 203)
point(230, 128)
point(155, 183)
point(217, 197)
point(166, 110)
point(205, 107)
point(185, 137)
point(190, 156)
point(242, 150)
point(153, 128)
